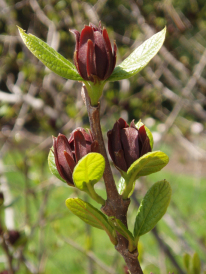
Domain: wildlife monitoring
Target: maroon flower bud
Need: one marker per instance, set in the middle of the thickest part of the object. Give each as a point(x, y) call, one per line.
point(4, 272)
point(13, 236)
point(67, 152)
point(126, 144)
point(93, 56)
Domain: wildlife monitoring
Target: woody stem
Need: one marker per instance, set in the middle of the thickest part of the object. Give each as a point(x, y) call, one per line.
point(115, 205)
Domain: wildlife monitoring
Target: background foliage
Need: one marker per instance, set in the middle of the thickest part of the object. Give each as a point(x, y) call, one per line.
point(168, 95)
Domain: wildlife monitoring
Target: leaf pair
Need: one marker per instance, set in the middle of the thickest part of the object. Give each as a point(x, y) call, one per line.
point(135, 62)
point(151, 210)
point(145, 165)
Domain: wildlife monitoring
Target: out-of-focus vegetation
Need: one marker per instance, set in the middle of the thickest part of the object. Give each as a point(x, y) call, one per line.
point(169, 95)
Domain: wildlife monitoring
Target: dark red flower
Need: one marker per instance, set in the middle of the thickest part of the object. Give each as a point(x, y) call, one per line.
point(67, 152)
point(93, 56)
point(126, 144)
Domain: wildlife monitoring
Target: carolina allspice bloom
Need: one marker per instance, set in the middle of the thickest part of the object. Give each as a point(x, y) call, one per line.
point(126, 143)
point(93, 56)
point(67, 152)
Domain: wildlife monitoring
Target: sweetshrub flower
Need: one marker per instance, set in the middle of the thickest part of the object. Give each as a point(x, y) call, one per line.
point(126, 143)
point(93, 56)
point(67, 152)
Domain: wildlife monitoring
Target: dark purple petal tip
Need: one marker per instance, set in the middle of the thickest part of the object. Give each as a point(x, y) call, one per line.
point(67, 153)
point(93, 56)
point(126, 144)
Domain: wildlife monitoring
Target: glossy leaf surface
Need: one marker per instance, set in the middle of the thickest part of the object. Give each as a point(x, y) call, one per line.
point(89, 169)
point(139, 58)
point(50, 57)
point(148, 164)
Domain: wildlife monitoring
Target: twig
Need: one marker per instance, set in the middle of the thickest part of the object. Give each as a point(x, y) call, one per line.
point(115, 205)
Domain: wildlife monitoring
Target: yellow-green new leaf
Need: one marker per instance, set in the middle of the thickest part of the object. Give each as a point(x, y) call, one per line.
point(145, 165)
point(91, 216)
point(152, 208)
point(139, 58)
point(89, 170)
point(50, 57)
point(148, 164)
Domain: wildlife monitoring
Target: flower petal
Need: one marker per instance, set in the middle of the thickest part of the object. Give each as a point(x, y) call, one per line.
point(101, 55)
point(91, 66)
point(109, 54)
point(130, 144)
point(115, 145)
point(63, 168)
point(79, 145)
point(86, 34)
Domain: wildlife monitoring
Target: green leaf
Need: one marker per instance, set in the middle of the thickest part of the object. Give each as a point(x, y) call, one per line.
point(122, 229)
point(186, 261)
point(139, 58)
point(148, 164)
point(89, 169)
point(149, 133)
point(145, 165)
point(52, 166)
point(196, 264)
point(152, 208)
point(49, 57)
point(91, 216)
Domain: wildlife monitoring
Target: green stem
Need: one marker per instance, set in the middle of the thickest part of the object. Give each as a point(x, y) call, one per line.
point(94, 91)
point(94, 195)
point(128, 189)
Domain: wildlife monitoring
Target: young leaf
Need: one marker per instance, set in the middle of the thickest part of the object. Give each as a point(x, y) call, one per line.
point(49, 57)
point(91, 216)
point(52, 165)
point(148, 164)
point(145, 165)
point(152, 208)
point(149, 134)
point(122, 229)
point(88, 170)
point(139, 58)
point(196, 264)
